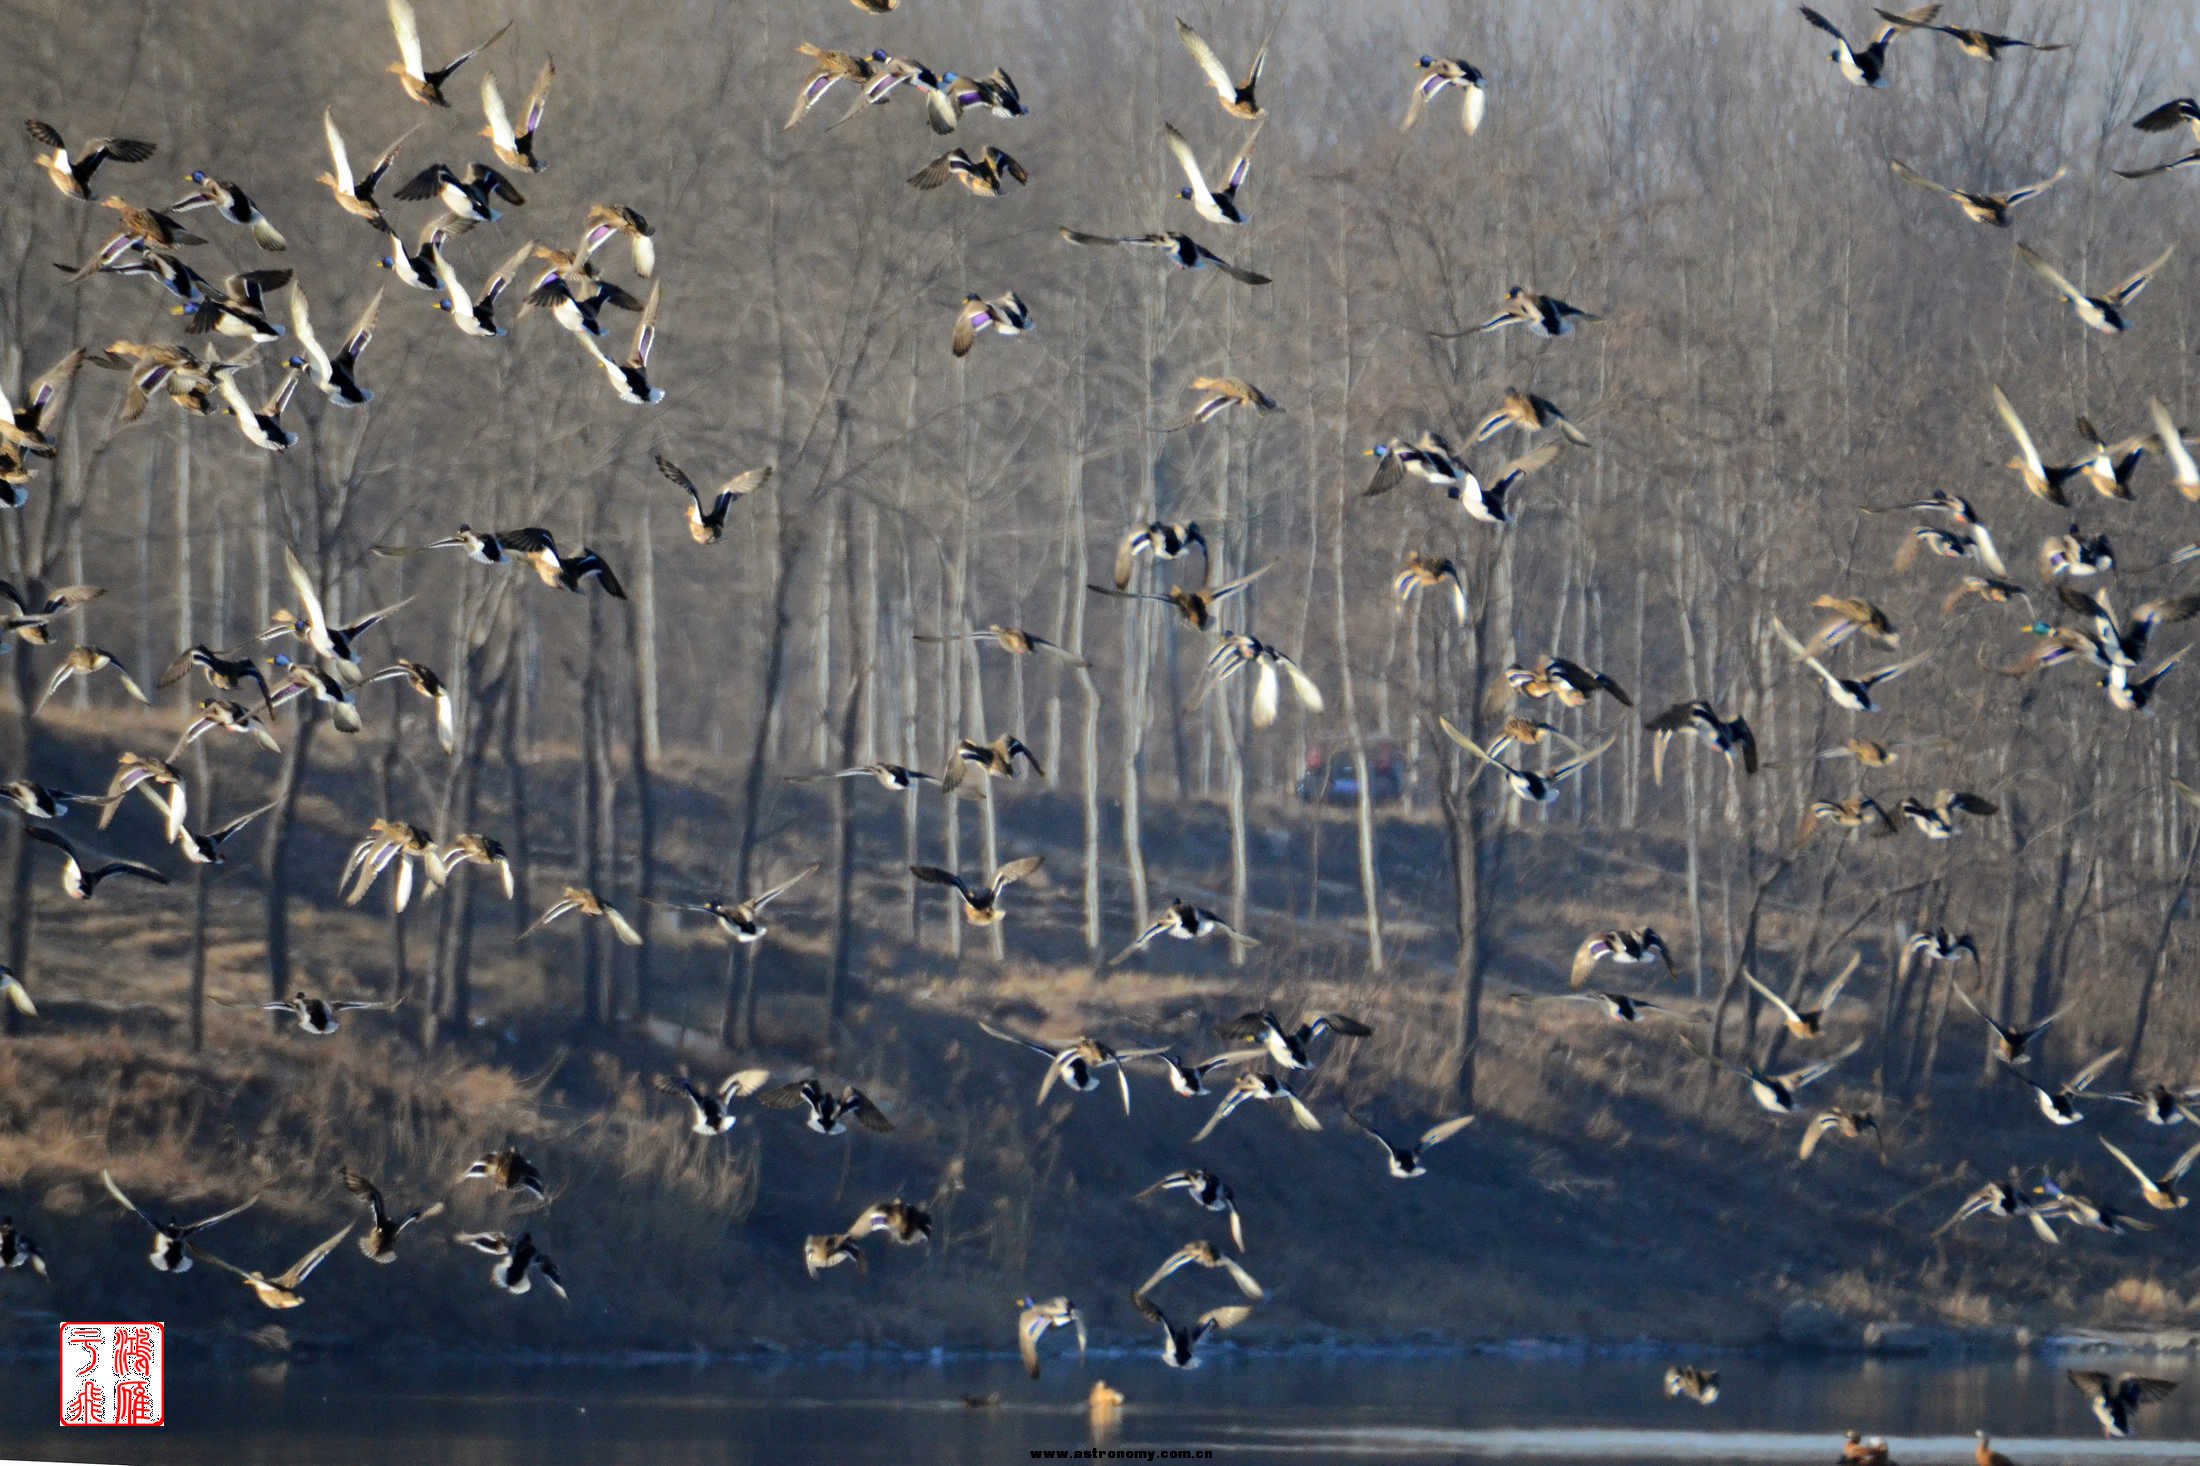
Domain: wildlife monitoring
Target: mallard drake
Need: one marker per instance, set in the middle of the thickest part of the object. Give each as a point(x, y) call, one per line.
point(2076, 554)
point(1005, 316)
point(2059, 1103)
point(1203, 1189)
point(995, 760)
point(2002, 1201)
point(223, 673)
point(1531, 414)
point(2103, 313)
point(2011, 1042)
point(896, 777)
point(995, 92)
point(1807, 1023)
point(30, 426)
point(417, 267)
point(2084, 1212)
point(1568, 681)
point(1428, 458)
point(587, 903)
point(2116, 1401)
point(1201, 1253)
point(475, 849)
point(891, 73)
point(281, 1291)
point(468, 197)
point(423, 680)
point(1489, 501)
point(390, 841)
point(171, 1239)
point(1949, 545)
point(80, 883)
point(73, 176)
point(1938, 944)
point(231, 202)
point(2160, 1191)
point(482, 549)
point(1221, 393)
point(262, 426)
point(515, 148)
point(982, 175)
point(1235, 652)
point(355, 193)
point(1536, 787)
point(336, 375)
point(18, 1250)
point(2180, 112)
point(318, 1016)
point(1619, 1007)
point(476, 315)
point(1937, 820)
point(1439, 73)
point(1291, 1048)
point(1038, 1316)
point(1700, 1385)
point(35, 801)
point(1980, 208)
point(15, 994)
point(1186, 922)
point(1182, 251)
point(1848, 1124)
point(1405, 1161)
point(1019, 643)
point(1867, 67)
point(744, 920)
point(539, 550)
point(1163, 542)
point(1626, 946)
point(143, 771)
point(508, 1170)
point(1852, 693)
point(1546, 315)
point(1196, 608)
point(827, 1115)
point(237, 306)
point(2131, 693)
point(420, 84)
point(1256, 1086)
point(1428, 572)
point(1216, 205)
point(324, 686)
point(83, 661)
point(908, 1225)
point(630, 374)
point(830, 1250)
point(1730, 737)
point(829, 69)
point(2160, 1104)
point(1179, 1342)
point(1077, 1064)
point(1777, 1092)
point(205, 848)
point(379, 1241)
point(1237, 97)
point(516, 1258)
point(708, 526)
point(1189, 1079)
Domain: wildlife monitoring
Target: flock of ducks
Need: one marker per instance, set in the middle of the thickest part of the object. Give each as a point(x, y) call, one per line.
point(1269, 1061)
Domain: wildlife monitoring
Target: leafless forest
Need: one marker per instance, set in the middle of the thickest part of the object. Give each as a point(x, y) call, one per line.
point(1792, 345)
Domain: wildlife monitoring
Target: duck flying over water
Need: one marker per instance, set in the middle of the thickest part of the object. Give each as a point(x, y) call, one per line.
point(1180, 1342)
point(1201, 1253)
point(171, 1239)
point(1237, 97)
point(1216, 205)
point(1182, 251)
point(1405, 1161)
point(2103, 313)
point(281, 1291)
point(1040, 1316)
point(1438, 75)
point(1980, 208)
point(379, 1241)
point(1205, 1190)
point(1686, 1380)
point(2116, 1401)
point(421, 84)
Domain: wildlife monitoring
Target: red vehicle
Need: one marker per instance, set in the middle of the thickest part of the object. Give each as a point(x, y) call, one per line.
point(1331, 778)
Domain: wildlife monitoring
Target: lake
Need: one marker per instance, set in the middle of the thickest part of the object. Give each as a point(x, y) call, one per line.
point(1243, 1407)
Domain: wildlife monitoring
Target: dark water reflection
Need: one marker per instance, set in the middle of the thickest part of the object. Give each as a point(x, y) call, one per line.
point(1560, 1410)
